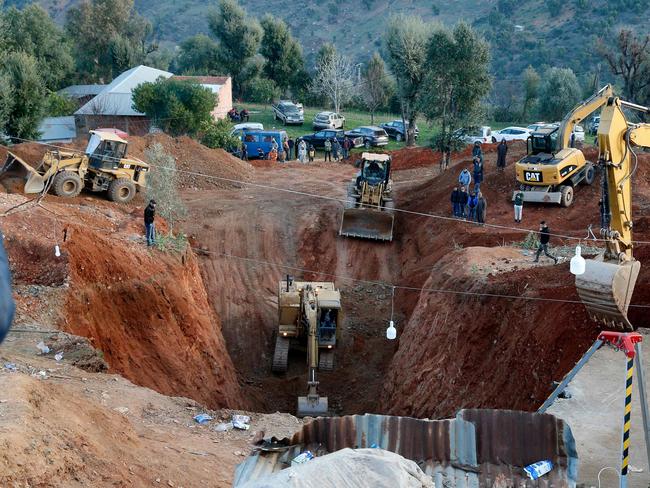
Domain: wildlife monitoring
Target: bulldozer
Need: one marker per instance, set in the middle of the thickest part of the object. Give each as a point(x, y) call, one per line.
point(309, 316)
point(552, 169)
point(103, 166)
point(608, 281)
point(369, 209)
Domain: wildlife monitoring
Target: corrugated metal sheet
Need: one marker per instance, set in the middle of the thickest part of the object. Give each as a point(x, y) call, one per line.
point(478, 448)
point(80, 91)
point(115, 98)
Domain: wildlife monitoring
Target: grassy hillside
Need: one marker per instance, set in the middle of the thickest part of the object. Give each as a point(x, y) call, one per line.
point(522, 32)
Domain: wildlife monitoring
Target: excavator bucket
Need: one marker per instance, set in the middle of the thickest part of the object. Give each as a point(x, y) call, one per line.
point(312, 406)
point(16, 168)
point(367, 223)
point(606, 290)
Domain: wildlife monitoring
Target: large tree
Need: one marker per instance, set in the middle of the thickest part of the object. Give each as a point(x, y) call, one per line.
point(630, 59)
point(284, 63)
point(239, 39)
point(109, 36)
point(198, 55)
point(559, 93)
point(25, 108)
point(334, 79)
point(177, 106)
point(32, 31)
point(531, 90)
point(406, 42)
point(457, 80)
point(376, 86)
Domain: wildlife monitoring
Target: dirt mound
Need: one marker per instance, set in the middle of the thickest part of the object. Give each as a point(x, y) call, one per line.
point(193, 156)
point(418, 157)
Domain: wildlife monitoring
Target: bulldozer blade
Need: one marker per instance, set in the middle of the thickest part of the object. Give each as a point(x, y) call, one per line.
point(312, 406)
point(606, 290)
point(15, 167)
point(367, 223)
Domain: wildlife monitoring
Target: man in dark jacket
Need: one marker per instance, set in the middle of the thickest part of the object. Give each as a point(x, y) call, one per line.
point(7, 306)
point(463, 198)
point(502, 150)
point(478, 173)
point(291, 152)
point(149, 217)
point(455, 202)
point(244, 152)
point(544, 238)
point(481, 208)
point(472, 203)
point(347, 145)
point(477, 151)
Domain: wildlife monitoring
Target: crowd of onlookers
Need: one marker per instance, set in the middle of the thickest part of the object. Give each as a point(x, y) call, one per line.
point(298, 149)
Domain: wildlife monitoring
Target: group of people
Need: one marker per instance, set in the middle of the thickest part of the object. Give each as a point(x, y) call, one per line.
point(470, 206)
point(300, 150)
point(236, 116)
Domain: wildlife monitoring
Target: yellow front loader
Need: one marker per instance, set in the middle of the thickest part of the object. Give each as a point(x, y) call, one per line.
point(309, 316)
point(607, 285)
point(102, 167)
point(369, 213)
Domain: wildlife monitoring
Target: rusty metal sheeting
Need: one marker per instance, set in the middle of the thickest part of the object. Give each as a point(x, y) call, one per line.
point(477, 448)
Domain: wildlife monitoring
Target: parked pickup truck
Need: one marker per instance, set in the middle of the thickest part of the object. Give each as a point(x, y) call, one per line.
point(288, 112)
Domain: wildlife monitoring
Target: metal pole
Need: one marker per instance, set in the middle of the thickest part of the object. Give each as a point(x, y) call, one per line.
point(625, 455)
point(643, 397)
point(570, 375)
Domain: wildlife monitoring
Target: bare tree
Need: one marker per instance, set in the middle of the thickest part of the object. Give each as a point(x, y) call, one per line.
point(334, 79)
point(630, 60)
point(376, 86)
point(162, 185)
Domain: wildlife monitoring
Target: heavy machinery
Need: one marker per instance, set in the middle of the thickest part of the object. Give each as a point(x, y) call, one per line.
point(368, 213)
point(607, 284)
point(309, 315)
point(102, 167)
point(552, 169)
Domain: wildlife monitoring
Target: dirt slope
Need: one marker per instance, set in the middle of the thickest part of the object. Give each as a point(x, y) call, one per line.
point(147, 311)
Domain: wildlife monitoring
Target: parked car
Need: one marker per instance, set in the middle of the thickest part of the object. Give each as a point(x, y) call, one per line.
point(288, 112)
point(594, 124)
point(511, 134)
point(395, 129)
point(579, 133)
point(372, 135)
point(470, 135)
point(318, 138)
point(536, 126)
point(328, 120)
point(261, 139)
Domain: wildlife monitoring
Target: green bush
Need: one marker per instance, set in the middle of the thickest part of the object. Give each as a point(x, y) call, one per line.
point(261, 90)
point(217, 135)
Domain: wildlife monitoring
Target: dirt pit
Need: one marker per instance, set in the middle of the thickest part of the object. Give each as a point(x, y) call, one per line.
point(453, 350)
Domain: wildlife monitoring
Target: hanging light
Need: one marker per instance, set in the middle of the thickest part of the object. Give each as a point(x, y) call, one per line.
point(391, 332)
point(577, 263)
point(57, 251)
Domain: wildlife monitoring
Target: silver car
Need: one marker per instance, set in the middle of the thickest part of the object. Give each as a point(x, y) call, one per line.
point(328, 120)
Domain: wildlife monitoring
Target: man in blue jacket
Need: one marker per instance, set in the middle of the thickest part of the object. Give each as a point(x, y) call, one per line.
point(7, 306)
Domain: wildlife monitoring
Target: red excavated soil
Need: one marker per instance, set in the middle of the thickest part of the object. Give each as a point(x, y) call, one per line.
point(147, 311)
point(192, 156)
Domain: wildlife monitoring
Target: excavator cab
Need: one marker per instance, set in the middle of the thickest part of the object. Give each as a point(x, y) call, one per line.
point(105, 150)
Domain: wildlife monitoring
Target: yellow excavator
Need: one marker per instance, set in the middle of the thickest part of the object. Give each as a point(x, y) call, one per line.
point(369, 211)
point(552, 169)
point(607, 284)
point(309, 315)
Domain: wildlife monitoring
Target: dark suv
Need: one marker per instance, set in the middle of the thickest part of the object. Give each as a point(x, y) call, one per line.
point(318, 139)
point(395, 129)
point(372, 136)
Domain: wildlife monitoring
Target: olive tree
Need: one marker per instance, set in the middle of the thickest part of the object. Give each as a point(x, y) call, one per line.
point(559, 93)
point(162, 185)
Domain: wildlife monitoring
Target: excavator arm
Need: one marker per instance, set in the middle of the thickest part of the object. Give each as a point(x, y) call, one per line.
point(581, 112)
point(607, 284)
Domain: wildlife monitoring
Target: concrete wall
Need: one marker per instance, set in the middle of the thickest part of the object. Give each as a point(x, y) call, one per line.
point(225, 101)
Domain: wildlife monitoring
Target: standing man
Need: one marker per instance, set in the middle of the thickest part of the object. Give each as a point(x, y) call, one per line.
point(328, 150)
point(544, 238)
point(478, 173)
point(465, 178)
point(149, 217)
point(502, 150)
point(472, 203)
point(336, 149)
point(244, 152)
point(7, 305)
point(291, 144)
point(519, 206)
point(455, 202)
point(347, 145)
point(302, 151)
point(463, 199)
point(481, 208)
point(285, 150)
point(477, 151)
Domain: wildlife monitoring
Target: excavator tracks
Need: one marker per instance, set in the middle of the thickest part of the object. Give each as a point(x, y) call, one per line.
point(326, 360)
point(281, 355)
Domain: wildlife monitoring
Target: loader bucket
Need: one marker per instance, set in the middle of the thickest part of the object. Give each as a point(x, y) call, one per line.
point(16, 168)
point(367, 223)
point(606, 290)
point(312, 406)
